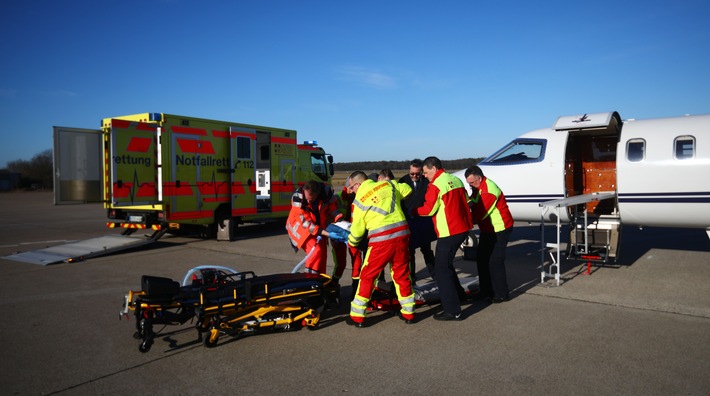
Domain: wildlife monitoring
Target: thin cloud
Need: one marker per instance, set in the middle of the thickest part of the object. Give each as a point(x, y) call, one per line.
point(61, 93)
point(367, 76)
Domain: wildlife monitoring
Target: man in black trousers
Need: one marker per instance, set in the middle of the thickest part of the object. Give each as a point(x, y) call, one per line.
point(422, 228)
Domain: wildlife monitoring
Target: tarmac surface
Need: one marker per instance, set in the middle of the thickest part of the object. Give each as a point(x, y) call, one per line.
point(641, 326)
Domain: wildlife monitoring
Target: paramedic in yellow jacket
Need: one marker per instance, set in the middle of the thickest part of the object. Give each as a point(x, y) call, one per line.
point(377, 210)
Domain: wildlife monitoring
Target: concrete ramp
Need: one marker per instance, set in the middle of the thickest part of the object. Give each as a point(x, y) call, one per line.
point(81, 250)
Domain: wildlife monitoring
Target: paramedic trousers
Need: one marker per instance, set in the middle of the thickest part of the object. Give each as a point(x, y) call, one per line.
point(490, 261)
point(317, 255)
point(395, 251)
point(447, 280)
point(340, 252)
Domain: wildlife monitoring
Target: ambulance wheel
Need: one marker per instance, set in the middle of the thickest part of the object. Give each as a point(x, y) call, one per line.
point(210, 338)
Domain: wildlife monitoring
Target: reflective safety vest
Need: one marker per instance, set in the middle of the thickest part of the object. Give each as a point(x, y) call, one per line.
point(377, 210)
point(305, 220)
point(446, 200)
point(489, 208)
point(345, 202)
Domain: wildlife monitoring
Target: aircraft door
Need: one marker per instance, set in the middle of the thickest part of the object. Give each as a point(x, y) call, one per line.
point(590, 170)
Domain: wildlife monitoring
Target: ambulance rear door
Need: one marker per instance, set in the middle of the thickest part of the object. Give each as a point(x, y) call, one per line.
point(78, 158)
point(134, 163)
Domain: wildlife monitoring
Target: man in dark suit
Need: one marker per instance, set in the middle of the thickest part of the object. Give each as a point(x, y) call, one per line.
point(422, 228)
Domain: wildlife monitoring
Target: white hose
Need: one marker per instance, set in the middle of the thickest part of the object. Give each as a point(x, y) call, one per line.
point(198, 269)
point(300, 263)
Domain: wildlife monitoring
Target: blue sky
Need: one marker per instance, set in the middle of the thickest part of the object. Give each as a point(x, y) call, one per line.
point(370, 80)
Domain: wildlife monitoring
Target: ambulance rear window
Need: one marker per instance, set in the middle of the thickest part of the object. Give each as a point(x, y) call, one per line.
point(519, 151)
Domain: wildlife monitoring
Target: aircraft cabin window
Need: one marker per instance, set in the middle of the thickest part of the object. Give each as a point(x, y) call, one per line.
point(684, 147)
point(519, 151)
point(635, 150)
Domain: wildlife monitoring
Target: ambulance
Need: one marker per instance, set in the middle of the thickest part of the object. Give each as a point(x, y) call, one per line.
point(165, 172)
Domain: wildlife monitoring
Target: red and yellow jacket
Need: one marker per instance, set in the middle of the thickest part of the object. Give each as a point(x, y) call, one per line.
point(446, 201)
point(305, 220)
point(489, 208)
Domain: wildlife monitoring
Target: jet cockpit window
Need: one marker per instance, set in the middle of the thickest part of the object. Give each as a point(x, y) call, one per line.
point(635, 150)
point(519, 151)
point(684, 147)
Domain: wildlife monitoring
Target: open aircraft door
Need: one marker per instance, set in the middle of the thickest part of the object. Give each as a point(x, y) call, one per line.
point(590, 171)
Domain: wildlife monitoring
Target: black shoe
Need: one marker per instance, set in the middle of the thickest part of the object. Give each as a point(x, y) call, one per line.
point(351, 322)
point(478, 296)
point(447, 316)
point(498, 300)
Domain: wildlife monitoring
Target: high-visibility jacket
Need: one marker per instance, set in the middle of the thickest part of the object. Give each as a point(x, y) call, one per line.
point(377, 210)
point(306, 220)
point(447, 202)
point(345, 202)
point(489, 208)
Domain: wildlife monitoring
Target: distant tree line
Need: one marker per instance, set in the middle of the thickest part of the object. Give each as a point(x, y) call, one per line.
point(449, 165)
point(36, 173)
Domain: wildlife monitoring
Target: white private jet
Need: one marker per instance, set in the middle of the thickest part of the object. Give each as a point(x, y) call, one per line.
point(598, 172)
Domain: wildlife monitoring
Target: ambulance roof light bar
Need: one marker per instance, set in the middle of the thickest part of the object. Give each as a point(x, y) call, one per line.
point(310, 142)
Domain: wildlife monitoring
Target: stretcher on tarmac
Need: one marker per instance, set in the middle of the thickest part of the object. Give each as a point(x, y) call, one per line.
point(219, 300)
point(384, 298)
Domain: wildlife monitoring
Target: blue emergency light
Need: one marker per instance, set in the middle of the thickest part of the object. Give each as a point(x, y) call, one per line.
point(310, 142)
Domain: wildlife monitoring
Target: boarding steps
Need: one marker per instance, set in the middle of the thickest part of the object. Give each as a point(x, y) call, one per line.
point(593, 238)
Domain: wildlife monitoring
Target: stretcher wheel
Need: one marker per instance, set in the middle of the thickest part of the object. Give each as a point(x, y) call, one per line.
point(145, 345)
point(311, 322)
point(210, 338)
